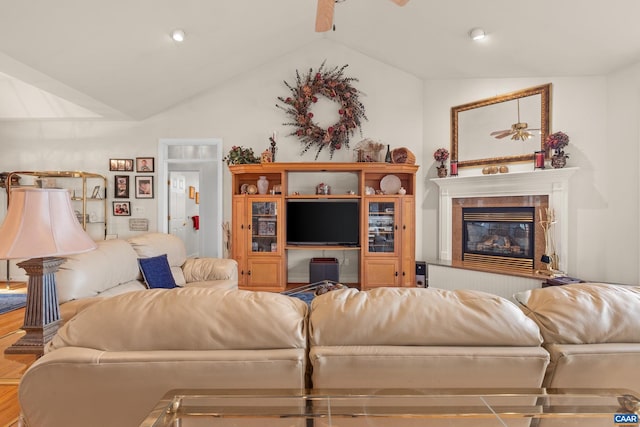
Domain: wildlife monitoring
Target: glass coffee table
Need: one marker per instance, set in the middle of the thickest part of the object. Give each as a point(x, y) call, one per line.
point(396, 407)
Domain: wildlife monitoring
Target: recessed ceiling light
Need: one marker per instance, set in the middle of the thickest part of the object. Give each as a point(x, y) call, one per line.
point(477, 34)
point(177, 35)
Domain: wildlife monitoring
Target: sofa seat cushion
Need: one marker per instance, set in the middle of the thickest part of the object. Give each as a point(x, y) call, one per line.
point(607, 365)
point(187, 319)
point(419, 317)
point(584, 313)
point(427, 367)
point(90, 274)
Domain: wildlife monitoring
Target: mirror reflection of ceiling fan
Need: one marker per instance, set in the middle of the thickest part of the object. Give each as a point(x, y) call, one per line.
point(518, 131)
point(324, 15)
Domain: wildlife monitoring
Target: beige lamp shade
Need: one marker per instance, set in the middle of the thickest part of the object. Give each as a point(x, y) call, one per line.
point(40, 222)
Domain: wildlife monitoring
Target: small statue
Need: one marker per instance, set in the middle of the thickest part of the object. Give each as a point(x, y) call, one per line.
point(273, 147)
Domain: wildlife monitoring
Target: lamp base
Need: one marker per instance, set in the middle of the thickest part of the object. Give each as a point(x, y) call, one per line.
point(42, 313)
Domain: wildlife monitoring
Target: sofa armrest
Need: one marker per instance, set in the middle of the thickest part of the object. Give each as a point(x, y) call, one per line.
point(201, 269)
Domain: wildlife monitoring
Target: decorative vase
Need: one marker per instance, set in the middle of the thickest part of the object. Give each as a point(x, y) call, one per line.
point(263, 185)
point(442, 171)
point(559, 160)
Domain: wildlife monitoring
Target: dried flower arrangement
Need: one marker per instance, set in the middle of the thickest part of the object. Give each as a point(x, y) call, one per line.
point(368, 150)
point(335, 86)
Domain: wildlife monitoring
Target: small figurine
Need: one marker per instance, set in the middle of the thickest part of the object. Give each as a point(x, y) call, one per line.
point(266, 157)
point(273, 147)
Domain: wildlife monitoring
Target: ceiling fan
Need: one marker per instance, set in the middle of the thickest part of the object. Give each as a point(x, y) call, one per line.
point(518, 131)
point(324, 15)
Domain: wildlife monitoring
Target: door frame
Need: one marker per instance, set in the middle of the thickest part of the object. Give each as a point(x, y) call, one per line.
point(211, 207)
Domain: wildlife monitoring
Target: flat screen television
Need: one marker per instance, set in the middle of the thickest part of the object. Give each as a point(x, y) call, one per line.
point(323, 222)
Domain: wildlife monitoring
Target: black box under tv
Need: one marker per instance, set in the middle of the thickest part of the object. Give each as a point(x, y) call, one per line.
point(324, 269)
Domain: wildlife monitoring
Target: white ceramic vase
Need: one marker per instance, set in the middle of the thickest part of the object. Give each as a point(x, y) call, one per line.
point(263, 185)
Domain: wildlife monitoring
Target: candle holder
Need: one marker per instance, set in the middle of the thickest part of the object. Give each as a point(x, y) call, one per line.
point(538, 159)
point(453, 166)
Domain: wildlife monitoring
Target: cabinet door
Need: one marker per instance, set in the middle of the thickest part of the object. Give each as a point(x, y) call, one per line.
point(381, 215)
point(265, 274)
point(380, 272)
point(239, 237)
point(264, 225)
point(408, 237)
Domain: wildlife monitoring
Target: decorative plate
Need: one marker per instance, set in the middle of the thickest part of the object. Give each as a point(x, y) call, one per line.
point(390, 184)
point(243, 188)
point(252, 189)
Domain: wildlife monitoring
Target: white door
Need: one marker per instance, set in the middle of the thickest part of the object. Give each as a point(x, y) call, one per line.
point(202, 157)
point(177, 205)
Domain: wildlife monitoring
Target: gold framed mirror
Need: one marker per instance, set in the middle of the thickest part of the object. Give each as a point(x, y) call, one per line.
point(504, 129)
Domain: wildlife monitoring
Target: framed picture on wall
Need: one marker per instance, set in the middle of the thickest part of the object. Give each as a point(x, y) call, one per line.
point(121, 208)
point(121, 165)
point(144, 187)
point(144, 164)
point(121, 187)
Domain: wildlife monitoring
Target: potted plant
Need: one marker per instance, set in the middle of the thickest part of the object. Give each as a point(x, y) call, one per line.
point(556, 142)
point(238, 155)
point(441, 155)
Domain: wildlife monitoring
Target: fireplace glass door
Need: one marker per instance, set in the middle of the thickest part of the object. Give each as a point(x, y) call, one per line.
point(499, 236)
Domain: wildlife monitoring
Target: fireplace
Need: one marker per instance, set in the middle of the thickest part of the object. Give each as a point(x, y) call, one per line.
point(499, 237)
point(541, 189)
point(498, 234)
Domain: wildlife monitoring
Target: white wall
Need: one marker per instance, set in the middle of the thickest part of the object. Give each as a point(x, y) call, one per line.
point(242, 112)
point(600, 116)
point(599, 113)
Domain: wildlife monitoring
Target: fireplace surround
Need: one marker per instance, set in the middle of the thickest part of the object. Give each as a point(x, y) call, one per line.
point(538, 189)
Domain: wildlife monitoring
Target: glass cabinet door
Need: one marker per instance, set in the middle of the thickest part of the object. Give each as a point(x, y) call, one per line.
point(264, 226)
point(381, 223)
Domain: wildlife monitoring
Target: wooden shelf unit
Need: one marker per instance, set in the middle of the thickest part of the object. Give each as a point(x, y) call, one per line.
point(88, 181)
point(261, 269)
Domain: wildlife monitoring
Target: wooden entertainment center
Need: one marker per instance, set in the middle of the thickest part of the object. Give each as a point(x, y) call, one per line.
point(387, 221)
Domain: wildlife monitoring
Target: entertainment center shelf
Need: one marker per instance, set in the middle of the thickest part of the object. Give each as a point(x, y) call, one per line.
point(383, 195)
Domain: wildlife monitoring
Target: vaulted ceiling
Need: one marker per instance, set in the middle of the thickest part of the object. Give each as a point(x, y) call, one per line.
point(115, 59)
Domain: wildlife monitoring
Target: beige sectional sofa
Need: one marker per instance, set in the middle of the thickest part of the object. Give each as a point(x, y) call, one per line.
point(114, 360)
point(113, 269)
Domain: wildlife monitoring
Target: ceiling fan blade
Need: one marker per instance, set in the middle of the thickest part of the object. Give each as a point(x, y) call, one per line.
point(324, 15)
point(503, 134)
point(400, 2)
point(497, 132)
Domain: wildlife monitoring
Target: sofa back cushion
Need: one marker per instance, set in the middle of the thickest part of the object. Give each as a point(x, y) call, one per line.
point(188, 319)
point(418, 317)
point(584, 313)
point(86, 275)
point(155, 244)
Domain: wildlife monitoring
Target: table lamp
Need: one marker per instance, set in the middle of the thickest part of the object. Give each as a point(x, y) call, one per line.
point(42, 226)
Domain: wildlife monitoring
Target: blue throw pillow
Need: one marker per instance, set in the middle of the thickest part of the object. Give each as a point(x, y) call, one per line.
point(156, 272)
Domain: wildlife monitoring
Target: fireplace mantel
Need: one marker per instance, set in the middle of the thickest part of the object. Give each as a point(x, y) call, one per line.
point(553, 183)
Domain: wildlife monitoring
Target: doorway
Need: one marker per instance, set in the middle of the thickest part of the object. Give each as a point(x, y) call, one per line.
point(186, 163)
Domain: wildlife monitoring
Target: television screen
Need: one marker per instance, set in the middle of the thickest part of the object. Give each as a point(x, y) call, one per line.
point(323, 222)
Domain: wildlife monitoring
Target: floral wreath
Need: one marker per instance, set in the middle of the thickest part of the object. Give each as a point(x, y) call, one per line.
point(334, 86)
